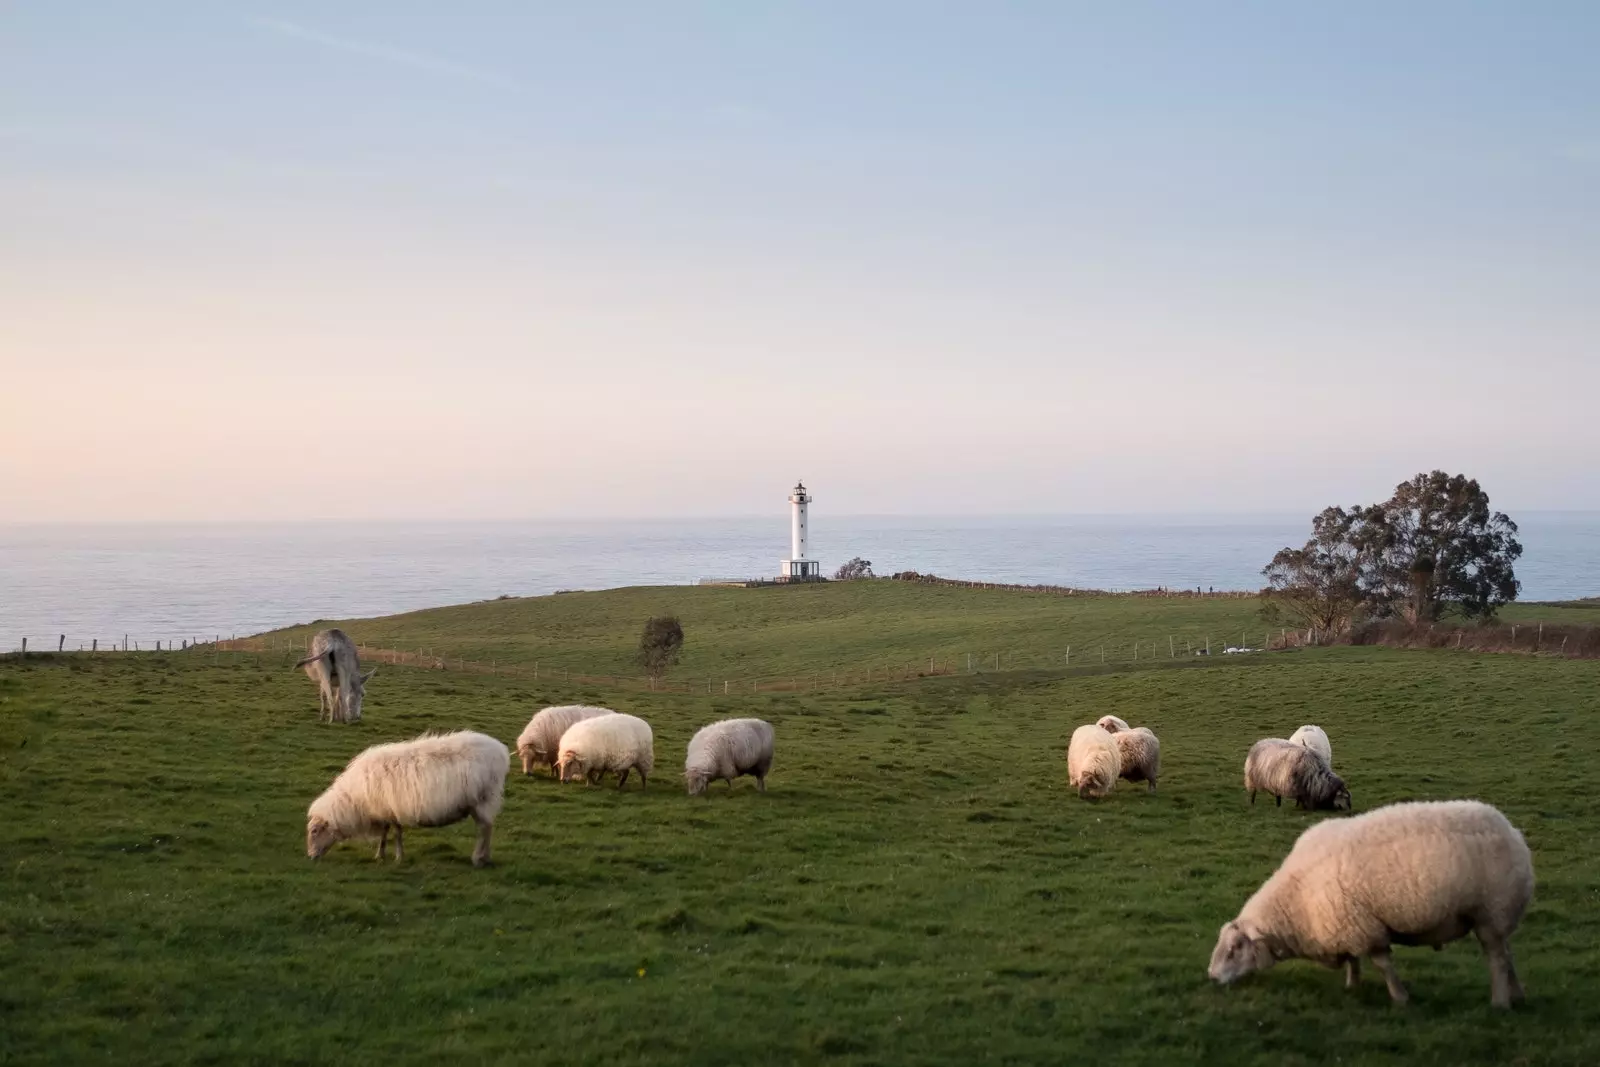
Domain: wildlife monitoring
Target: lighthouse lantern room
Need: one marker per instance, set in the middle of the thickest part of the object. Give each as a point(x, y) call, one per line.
point(797, 568)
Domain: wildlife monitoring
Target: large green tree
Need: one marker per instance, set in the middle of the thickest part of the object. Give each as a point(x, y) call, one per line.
point(1433, 547)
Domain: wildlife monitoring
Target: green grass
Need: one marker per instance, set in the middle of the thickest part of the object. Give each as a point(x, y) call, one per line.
point(773, 631)
point(918, 886)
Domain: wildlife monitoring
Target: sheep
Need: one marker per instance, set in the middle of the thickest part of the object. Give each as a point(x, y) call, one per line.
point(726, 750)
point(1285, 769)
point(1316, 739)
point(433, 780)
point(1111, 724)
point(1419, 873)
point(614, 742)
point(1093, 762)
point(333, 665)
point(541, 738)
point(1139, 752)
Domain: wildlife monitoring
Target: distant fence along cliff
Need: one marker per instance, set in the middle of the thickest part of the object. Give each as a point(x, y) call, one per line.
point(1068, 590)
point(963, 583)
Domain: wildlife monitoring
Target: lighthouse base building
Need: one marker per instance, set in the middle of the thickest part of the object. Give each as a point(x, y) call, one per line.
point(797, 568)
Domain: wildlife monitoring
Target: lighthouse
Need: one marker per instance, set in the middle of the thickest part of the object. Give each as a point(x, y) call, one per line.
point(797, 568)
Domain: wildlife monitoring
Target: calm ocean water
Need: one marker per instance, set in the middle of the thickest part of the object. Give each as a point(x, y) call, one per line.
point(156, 581)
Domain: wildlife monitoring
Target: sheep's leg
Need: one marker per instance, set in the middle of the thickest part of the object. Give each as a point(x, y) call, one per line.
point(761, 783)
point(1152, 785)
point(399, 845)
point(383, 842)
point(1277, 802)
point(1385, 963)
point(642, 780)
point(1503, 985)
point(480, 852)
point(1252, 798)
point(1352, 971)
point(622, 779)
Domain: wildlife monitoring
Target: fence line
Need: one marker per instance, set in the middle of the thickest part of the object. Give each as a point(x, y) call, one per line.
point(1106, 652)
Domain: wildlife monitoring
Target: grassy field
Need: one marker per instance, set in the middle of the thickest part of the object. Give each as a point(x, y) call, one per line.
point(735, 633)
point(918, 886)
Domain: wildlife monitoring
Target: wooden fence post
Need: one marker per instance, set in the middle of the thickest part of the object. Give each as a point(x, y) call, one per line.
point(24, 646)
point(62, 644)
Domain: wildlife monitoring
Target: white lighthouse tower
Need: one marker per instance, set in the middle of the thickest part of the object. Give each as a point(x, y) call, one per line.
point(797, 568)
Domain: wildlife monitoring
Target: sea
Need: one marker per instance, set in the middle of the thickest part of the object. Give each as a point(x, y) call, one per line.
point(150, 582)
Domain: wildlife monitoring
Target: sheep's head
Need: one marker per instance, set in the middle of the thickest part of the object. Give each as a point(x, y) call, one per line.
point(1110, 724)
point(528, 757)
point(696, 781)
point(320, 836)
point(570, 768)
point(1237, 954)
point(1341, 798)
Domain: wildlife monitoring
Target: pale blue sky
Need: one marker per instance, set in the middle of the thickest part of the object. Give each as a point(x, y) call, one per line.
point(378, 260)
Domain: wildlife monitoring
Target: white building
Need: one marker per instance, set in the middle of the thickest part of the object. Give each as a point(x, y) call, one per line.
point(798, 568)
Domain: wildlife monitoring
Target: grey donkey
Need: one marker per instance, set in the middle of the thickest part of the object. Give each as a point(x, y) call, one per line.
point(332, 664)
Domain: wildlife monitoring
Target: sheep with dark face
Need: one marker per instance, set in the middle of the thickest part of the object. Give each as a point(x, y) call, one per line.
point(1286, 769)
point(333, 665)
point(727, 749)
point(1422, 873)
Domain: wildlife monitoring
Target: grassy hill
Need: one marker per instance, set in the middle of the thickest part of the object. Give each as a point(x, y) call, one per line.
point(917, 887)
point(835, 625)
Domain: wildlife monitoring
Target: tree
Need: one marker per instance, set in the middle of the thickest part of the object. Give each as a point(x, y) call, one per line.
point(1318, 585)
point(660, 644)
point(856, 568)
point(1434, 546)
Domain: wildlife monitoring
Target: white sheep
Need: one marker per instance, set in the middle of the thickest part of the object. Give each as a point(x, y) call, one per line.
point(1285, 769)
point(616, 742)
point(434, 780)
point(1093, 762)
point(540, 741)
point(1111, 724)
point(1139, 751)
point(727, 749)
point(1422, 873)
point(1316, 739)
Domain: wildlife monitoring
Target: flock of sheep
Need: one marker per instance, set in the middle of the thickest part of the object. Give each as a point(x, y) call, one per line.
point(1420, 873)
point(1417, 873)
point(439, 779)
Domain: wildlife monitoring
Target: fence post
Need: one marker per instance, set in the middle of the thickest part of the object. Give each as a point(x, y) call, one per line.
point(1172, 648)
point(24, 646)
point(1069, 655)
point(1136, 652)
point(724, 687)
point(1102, 653)
point(60, 645)
point(969, 662)
point(94, 645)
point(1208, 644)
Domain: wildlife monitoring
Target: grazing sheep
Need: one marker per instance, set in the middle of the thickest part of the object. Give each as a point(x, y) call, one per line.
point(1093, 762)
point(1421, 873)
point(434, 780)
point(614, 742)
point(726, 750)
point(540, 741)
point(1111, 724)
point(1140, 754)
point(1316, 739)
point(1285, 769)
point(333, 665)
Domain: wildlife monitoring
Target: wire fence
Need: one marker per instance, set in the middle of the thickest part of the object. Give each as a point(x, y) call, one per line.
point(1101, 653)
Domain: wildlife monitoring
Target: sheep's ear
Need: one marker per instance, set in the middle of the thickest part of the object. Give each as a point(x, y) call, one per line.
point(1263, 954)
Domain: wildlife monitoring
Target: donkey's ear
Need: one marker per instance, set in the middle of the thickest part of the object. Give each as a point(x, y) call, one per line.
point(365, 678)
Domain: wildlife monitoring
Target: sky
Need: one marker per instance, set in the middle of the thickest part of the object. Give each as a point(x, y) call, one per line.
point(535, 260)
